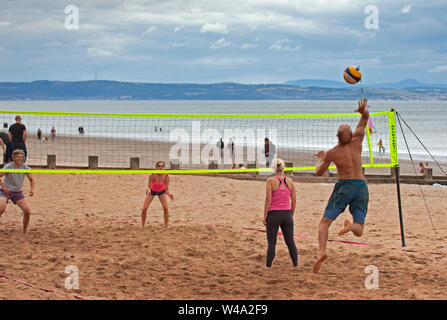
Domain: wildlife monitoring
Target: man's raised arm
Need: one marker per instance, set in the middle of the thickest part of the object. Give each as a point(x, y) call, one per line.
point(323, 162)
point(363, 110)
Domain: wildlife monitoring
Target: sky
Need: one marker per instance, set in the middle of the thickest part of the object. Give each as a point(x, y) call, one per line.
point(208, 41)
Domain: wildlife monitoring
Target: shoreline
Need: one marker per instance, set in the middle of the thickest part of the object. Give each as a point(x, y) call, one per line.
point(73, 151)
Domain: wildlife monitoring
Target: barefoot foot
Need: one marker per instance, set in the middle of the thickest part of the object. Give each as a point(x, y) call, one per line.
point(318, 263)
point(345, 229)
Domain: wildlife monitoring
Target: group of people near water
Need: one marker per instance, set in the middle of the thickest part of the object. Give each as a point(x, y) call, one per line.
point(280, 201)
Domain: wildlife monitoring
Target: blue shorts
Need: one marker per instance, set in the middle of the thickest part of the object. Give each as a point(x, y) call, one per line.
point(348, 192)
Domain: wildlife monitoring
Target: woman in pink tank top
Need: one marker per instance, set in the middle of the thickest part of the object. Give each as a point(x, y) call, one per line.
point(158, 186)
point(280, 203)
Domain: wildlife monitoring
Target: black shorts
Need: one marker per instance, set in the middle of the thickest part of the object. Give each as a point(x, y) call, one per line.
point(157, 193)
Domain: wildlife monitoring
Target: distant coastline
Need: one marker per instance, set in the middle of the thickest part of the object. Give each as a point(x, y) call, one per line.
point(116, 90)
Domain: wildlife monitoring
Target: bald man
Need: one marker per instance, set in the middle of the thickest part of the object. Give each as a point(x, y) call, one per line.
point(351, 189)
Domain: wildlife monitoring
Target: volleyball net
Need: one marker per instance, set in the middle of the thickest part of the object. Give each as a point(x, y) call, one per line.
point(193, 143)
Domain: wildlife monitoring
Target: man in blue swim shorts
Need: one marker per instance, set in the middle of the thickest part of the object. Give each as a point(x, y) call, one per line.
point(351, 189)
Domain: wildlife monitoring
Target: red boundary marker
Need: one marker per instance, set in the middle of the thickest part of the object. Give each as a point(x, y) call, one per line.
point(355, 243)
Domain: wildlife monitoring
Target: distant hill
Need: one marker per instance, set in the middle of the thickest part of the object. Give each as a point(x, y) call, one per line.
point(116, 90)
point(407, 83)
point(307, 83)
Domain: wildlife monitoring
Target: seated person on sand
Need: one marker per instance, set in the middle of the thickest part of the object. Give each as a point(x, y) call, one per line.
point(421, 169)
point(11, 186)
point(351, 189)
point(158, 186)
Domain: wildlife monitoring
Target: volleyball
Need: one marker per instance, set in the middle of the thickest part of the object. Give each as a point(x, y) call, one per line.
point(352, 74)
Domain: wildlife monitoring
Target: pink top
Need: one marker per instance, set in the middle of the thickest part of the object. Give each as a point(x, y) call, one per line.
point(281, 196)
point(158, 186)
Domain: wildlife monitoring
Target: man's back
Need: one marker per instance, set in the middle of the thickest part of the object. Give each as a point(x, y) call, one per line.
point(348, 159)
point(17, 130)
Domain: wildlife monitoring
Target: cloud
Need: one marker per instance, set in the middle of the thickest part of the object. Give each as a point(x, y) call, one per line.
point(281, 45)
point(214, 28)
point(248, 46)
point(149, 30)
point(98, 52)
point(439, 69)
point(180, 44)
point(406, 9)
point(5, 24)
point(221, 43)
point(179, 28)
point(219, 61)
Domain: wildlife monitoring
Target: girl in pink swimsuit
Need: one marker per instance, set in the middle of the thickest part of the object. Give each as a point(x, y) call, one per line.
point(158, 186)
point(279, 207)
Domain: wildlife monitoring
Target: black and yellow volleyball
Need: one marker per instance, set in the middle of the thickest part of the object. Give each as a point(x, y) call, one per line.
point(352, 74)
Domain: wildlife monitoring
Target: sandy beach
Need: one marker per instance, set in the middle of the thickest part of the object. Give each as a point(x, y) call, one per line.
point(213, 249)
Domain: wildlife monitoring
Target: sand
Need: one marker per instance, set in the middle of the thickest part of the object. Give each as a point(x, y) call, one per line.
point(93, 222)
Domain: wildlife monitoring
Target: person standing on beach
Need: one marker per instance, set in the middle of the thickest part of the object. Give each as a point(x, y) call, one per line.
point(381, 147)
point(269, 151)
point(280, 203)
point(220, 144)
point(351, 189)
point(6, 142)
point(17, 134)
point(53, 133)
point(11, 187)
point(158, 186)
point(230, 147)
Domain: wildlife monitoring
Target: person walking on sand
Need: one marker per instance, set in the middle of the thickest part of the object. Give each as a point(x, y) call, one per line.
point(280, 203)
point(230, 147)
point(11, 186)
point(351, 189)
point(53, 133)
point(381, 147)
point(158, 186)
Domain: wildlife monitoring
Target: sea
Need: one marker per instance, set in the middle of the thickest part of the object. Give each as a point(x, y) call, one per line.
point(421, 132)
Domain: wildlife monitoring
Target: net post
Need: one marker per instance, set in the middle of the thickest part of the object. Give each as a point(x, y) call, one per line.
point(174, 165)
point(289, 165)
point(134, 163)
point(428, 174)
point(393, 152)
point(51, 161)
point(93, 162)
point(402, 234)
